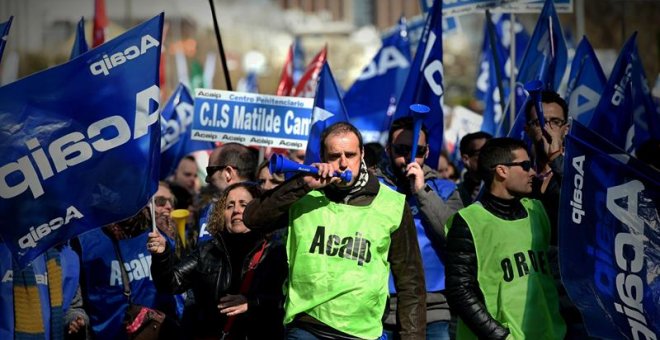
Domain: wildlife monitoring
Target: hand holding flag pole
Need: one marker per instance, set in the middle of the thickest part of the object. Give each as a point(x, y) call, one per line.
point(279, 164)
point(534, 88)
point(419, 112)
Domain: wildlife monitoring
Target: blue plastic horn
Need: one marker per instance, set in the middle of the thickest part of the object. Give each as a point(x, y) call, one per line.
point(279, 164)
point(419, 112)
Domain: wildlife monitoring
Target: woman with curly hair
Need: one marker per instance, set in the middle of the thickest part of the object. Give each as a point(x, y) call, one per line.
point(236, 277)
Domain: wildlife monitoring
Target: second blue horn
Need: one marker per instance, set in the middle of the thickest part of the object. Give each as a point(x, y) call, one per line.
point(419, 112)
point(279, 163)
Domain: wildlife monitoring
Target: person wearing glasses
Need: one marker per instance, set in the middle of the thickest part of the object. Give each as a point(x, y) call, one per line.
point(548, 151)
point(432, 201)
point(165, 201)
point(344, 237)
point(499, 281)
point(470, 183)
point(228, 164)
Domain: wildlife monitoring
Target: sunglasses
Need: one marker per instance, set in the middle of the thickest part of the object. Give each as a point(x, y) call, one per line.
point(210, 170)
point(404, 150)
point(525, 165)
point(161, 201)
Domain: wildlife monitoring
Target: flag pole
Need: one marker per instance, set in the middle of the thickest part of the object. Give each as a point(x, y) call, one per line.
point(512, 59)
point(496, 58)
point(223, 58)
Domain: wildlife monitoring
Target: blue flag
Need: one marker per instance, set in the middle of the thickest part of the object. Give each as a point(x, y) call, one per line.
point(503, 24)
point(79, 43)
point(609, 240)
point(79, 144)
point(379, 86)
point(425, 83)
point(328, 109)
point(497, 60)
point(175, 126)
point(249, 83)
point(585, 83)
point(626, 113)
point(546, 55)
point(298, 60)
point(4, 34)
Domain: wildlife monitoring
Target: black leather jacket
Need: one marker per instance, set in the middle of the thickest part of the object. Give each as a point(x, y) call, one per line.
point(463, 293)
point(207, 271)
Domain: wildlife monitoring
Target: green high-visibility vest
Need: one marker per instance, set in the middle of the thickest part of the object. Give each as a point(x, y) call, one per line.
point(513, 272)
point(338, 269)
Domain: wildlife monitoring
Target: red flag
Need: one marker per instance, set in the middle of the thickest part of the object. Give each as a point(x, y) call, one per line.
point(100, 23)
point(306, 87)
point(286, 79)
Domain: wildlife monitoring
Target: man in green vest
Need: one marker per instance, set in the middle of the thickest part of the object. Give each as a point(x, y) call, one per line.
point(497, 273)
point(343, 238)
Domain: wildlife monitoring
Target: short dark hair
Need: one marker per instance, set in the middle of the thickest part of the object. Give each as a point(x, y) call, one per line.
point(405, 123)
point(239, 157)
point(466, 142)
point(496, 151)
point(548, 97)
point(338, 128)
point(373, 152)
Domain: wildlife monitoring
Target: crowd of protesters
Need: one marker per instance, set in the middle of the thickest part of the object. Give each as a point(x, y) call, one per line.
point(400, 250)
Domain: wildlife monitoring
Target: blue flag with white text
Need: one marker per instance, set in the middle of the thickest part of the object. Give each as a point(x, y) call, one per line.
point(483, 89)
point(609, 237)
point(328, 109)
point(4, 34)
point(626, 113)
point(585, 83)
point(369, 99)
point(175, 126)
point(425, 83)
point(79, 42)
point(546, 55)
point(79, 143)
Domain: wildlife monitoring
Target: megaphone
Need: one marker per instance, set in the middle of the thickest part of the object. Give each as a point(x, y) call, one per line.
point(419, 112)
point(279, 164)
point(180, 216)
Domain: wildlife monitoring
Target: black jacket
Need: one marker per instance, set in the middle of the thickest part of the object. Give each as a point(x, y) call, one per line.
point(271, 211)
point(208, 272)
point(462, 288)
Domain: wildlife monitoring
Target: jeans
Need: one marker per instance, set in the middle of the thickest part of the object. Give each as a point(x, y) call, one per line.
point(438, 330)
point(295, 333)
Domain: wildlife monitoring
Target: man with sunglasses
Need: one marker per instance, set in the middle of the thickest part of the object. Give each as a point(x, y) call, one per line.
point(432, 201)
point(470, 183)
point(498, 276)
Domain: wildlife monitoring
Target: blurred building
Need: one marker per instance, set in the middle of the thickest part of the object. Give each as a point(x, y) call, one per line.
point(42, 33)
